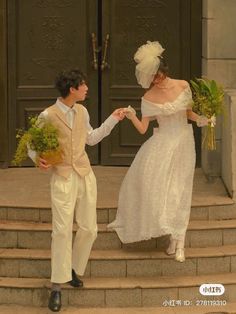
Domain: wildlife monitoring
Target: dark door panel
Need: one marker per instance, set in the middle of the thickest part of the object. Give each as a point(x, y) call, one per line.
point(130, 24)
point(46, 37)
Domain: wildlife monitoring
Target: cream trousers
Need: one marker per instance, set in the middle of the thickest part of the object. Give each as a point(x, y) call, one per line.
point(72, 197)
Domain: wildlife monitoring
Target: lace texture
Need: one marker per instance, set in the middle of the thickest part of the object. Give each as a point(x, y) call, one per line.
point(155, 195)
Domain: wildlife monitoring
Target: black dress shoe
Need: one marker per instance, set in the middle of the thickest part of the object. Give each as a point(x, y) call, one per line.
point(54, 303)
point(75, 282)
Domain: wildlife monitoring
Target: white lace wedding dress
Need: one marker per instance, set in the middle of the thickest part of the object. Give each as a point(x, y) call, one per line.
point(155, 195)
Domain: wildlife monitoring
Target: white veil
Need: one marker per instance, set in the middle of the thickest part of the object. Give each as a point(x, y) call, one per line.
point(148, 62)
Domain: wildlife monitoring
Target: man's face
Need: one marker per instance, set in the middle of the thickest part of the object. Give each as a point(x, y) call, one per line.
point(80, 93)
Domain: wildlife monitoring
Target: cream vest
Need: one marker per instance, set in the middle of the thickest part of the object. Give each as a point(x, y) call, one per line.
point(72, 141)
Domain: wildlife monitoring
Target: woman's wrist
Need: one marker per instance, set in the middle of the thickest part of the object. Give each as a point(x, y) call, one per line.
point(202, 121)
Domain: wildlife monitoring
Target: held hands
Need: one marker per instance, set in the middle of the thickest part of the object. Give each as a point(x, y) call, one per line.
point(121, 113)
point(130, 112)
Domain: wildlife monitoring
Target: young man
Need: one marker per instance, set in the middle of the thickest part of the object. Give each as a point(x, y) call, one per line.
point(73, 184)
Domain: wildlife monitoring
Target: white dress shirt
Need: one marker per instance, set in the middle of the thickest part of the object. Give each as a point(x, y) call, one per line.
point(94, 136)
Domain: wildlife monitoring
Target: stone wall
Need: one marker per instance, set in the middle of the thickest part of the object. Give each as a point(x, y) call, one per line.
point(218, 62)
point(229, 143)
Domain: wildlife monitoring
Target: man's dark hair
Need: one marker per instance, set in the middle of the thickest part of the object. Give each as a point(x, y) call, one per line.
point(67, 79)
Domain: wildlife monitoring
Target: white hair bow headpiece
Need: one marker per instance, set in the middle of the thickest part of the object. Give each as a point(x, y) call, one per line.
point(148, 62)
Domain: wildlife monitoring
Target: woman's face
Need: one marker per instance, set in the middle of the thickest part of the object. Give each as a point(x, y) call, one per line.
point(159, 77)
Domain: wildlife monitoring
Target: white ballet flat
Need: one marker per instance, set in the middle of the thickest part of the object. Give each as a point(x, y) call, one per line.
point(172, 247)
point(170, 251)
point(179, 255)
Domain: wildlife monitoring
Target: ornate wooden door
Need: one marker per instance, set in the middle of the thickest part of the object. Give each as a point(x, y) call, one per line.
point(130, 23)
point(46, 36)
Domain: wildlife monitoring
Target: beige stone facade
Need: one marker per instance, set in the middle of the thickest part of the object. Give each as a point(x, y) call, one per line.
point(219, 63)
point(228, 149)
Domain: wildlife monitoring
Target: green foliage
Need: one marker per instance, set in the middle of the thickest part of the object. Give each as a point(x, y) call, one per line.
point(208, 99)
point(21, 151)
point(41, 136)
point(207, 96)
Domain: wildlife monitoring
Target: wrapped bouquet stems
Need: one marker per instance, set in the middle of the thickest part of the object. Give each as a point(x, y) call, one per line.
point(209, 138)
point(208, 102)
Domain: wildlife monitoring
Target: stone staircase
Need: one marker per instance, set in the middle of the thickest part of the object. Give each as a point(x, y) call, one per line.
point(117, 275)
point(134, 278)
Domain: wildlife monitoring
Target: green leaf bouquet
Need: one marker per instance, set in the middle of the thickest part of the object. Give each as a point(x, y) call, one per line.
point(208, 102)
point(41, 137)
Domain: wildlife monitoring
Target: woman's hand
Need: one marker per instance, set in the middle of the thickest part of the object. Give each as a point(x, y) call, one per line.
point(202, 121)
point(130, 112)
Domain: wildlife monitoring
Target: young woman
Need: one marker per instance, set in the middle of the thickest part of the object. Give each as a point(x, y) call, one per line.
point(155, 196)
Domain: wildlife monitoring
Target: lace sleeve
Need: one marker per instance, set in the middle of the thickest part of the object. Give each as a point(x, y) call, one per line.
point(189, 98)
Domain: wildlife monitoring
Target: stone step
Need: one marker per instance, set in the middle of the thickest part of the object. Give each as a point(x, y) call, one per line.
point(30, 187)
point(106, 215)
point(120, 292)
point(229, 308)
point(38, 236)
point(123, 263)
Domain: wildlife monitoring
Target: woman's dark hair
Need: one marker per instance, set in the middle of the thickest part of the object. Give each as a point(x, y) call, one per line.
point(67, 79)
point(163, 68)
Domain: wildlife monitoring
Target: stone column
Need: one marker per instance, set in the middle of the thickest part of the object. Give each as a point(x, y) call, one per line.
point(218, 62)
point(229, 143)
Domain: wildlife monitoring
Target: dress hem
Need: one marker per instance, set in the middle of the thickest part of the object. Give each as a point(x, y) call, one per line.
point(157, 235)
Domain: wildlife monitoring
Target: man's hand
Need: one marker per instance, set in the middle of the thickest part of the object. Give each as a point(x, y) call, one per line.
point(119, 114)
point(43, 165)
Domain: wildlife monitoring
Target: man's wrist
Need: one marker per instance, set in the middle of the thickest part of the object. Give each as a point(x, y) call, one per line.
point(112, 120)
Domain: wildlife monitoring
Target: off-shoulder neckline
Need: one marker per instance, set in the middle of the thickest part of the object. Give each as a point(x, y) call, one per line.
point(167, 102)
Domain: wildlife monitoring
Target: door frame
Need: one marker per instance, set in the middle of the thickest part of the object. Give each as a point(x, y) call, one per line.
point(196, 62)
point(4, 140)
